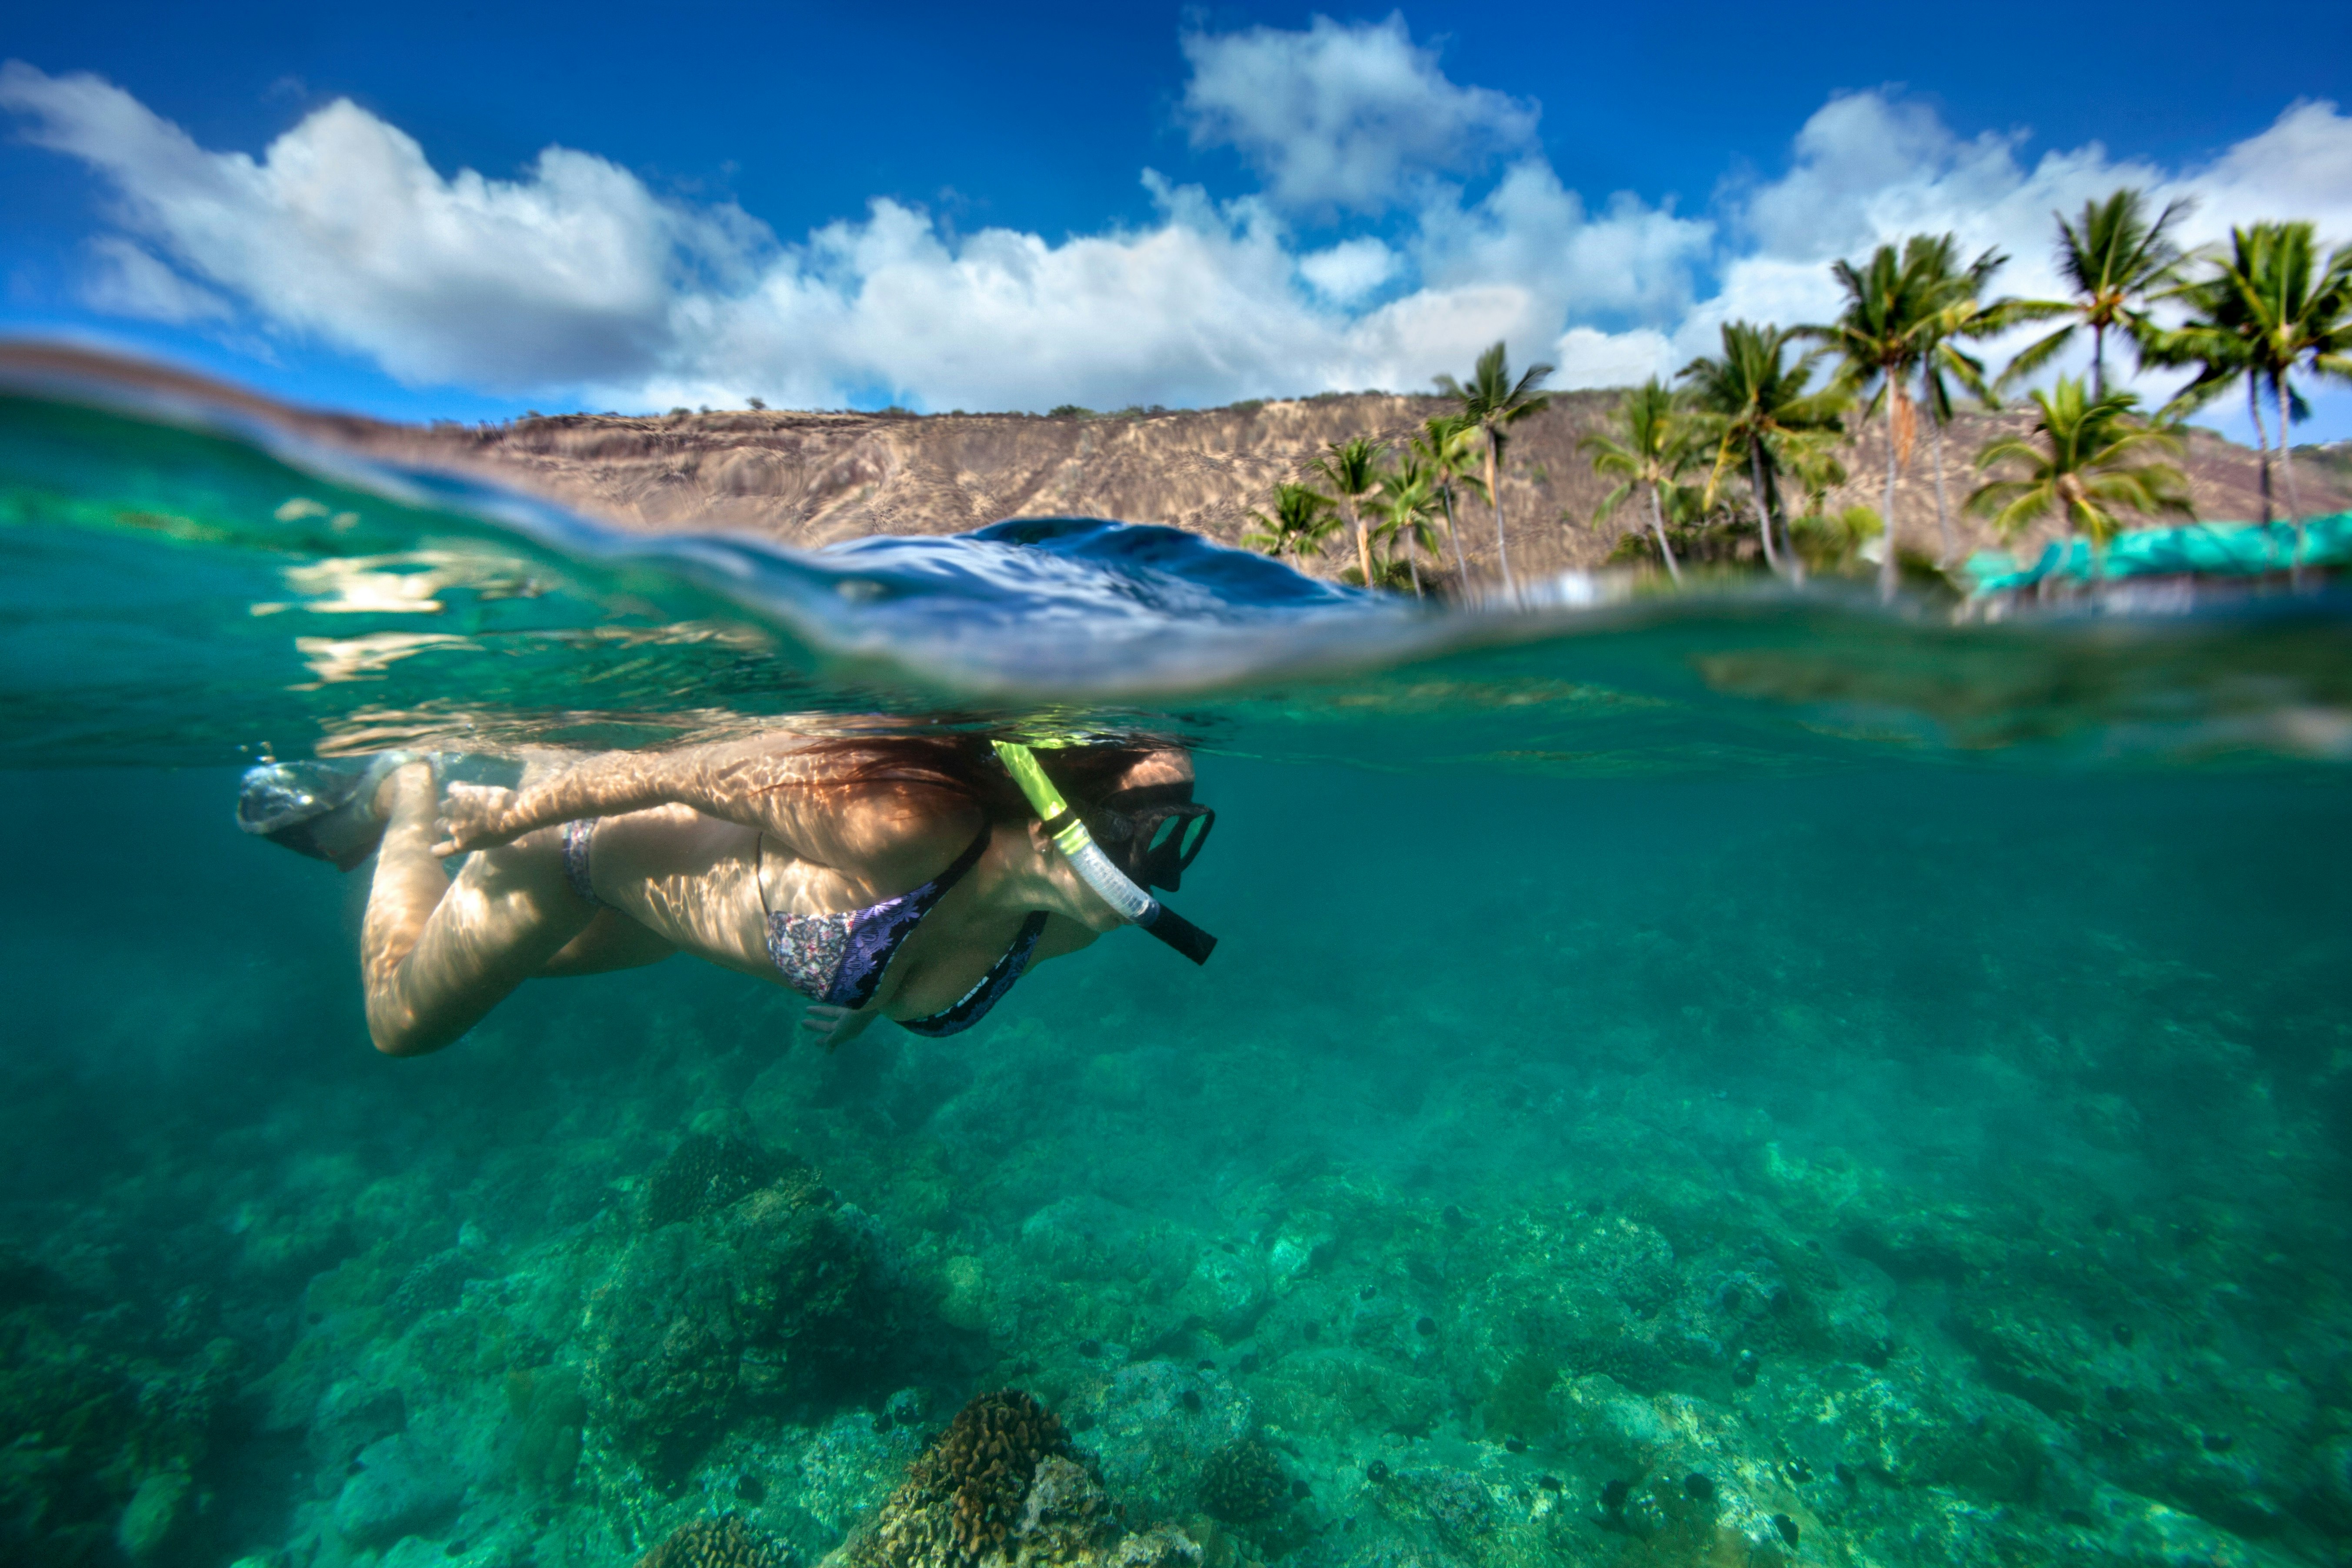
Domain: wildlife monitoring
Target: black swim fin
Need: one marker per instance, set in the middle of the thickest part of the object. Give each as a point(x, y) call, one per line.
point(325, 810)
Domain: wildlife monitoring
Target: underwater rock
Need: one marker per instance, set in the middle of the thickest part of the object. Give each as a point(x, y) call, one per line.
point(1226, 1291)
point(434, 1285)
point(909, 1407)
point(1152, 1442)
point(89, 1416)
point(2040, 1360)
point(725, 1542)
point(351, 1415)
point(1083, 1236)
point(155, 1510)
point(664, 1351)
point(1333, 1391)
point(552, 1411)
point(1456, 1502)
point(1305, 1237)
point(398, 1490)
point(965, 1302)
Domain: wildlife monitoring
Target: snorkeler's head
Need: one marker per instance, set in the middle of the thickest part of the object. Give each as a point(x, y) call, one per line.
point(1161, 835)
point(1152, 831)
point(1136, 803)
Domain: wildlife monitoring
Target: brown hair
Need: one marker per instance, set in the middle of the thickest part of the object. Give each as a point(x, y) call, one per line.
point(965, 764)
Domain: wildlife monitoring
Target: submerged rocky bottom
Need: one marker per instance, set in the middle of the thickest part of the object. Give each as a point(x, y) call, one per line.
point(1749, 1276)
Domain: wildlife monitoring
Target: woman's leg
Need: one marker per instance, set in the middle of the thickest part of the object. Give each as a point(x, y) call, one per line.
point(435, 955)
point(612, 940)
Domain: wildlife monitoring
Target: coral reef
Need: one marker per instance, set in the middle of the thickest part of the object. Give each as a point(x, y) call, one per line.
point(2038, 1257)
point(106, 1419)
point(724, 1305)
point(964, 1497)
point(1243, 1482)
point(709, 1170)
point(722, 1543)
point(1003, 1485)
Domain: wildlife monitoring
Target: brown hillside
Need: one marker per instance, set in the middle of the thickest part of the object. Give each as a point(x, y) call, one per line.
point(811, 478)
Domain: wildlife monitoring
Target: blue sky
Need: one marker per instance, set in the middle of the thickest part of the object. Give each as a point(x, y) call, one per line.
point(955, 207)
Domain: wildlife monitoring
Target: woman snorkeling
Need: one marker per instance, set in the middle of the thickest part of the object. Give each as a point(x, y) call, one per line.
point(911, 878)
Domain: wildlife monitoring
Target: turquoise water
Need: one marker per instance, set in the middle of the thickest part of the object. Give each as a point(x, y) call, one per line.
point(1734, 1080)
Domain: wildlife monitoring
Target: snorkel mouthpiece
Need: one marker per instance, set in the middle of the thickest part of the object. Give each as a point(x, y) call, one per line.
point(1070, 836)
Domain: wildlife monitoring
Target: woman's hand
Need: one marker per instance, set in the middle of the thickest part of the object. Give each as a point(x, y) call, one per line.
point(474, 816)
point(832, 1027)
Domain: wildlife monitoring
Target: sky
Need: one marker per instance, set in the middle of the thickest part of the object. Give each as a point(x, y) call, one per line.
point(471, 211)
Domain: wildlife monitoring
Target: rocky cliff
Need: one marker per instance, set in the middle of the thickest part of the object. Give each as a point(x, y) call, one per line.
point(810, 478)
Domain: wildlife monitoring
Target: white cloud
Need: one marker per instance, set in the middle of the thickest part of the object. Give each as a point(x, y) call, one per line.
point(1869, 170)
point(1634, 261)
point(1349, 270)
point(125, 280)
point(343, 229)
point(1342, 116)
point(574, 278)
point(1585, 357)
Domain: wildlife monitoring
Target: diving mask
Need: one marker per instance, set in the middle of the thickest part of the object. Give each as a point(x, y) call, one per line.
point(1153, 832)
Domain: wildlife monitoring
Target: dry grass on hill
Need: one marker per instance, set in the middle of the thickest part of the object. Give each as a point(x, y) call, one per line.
point(811, 478)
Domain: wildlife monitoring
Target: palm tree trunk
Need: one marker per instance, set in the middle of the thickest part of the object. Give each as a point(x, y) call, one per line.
point(1763, 514)
point(1461, 560)
point(2098, 358)
point(1943, 508)
point(1886, 567)
point(2286, 467)
point(1494, 500)
point(1658, 525)
point(1363, 540)
point(2261, 438)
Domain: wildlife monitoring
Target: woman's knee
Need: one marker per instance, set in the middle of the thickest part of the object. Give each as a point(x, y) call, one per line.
point(393, 1028)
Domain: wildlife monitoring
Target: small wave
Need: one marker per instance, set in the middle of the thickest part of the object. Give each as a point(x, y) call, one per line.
point(194, 571)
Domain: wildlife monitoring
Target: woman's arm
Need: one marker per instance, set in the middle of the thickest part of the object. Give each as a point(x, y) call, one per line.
point(763, 783)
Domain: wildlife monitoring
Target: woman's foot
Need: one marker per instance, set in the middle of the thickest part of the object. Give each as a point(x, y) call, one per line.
point(329, 810)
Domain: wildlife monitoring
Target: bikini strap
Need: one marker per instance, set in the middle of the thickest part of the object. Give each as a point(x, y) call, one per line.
point(974, 1005)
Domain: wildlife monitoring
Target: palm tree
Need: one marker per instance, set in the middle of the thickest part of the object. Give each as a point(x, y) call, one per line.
point(1301, 521)
point(1965, 313)
point(1895, 316)
point(2286, 311)
point(1493, 402)
point(2114, 258)
point(1352, 468)
point(1448, 444)
point(2084, 465)
point(1650, 450)
point(1755, 404)
point(1408, 496)
point(2212, 342)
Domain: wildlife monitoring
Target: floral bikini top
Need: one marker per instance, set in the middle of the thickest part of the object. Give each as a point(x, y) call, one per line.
point(840, 958)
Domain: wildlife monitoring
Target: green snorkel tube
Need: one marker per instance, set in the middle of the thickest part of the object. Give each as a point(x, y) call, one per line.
point(1070, 836)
